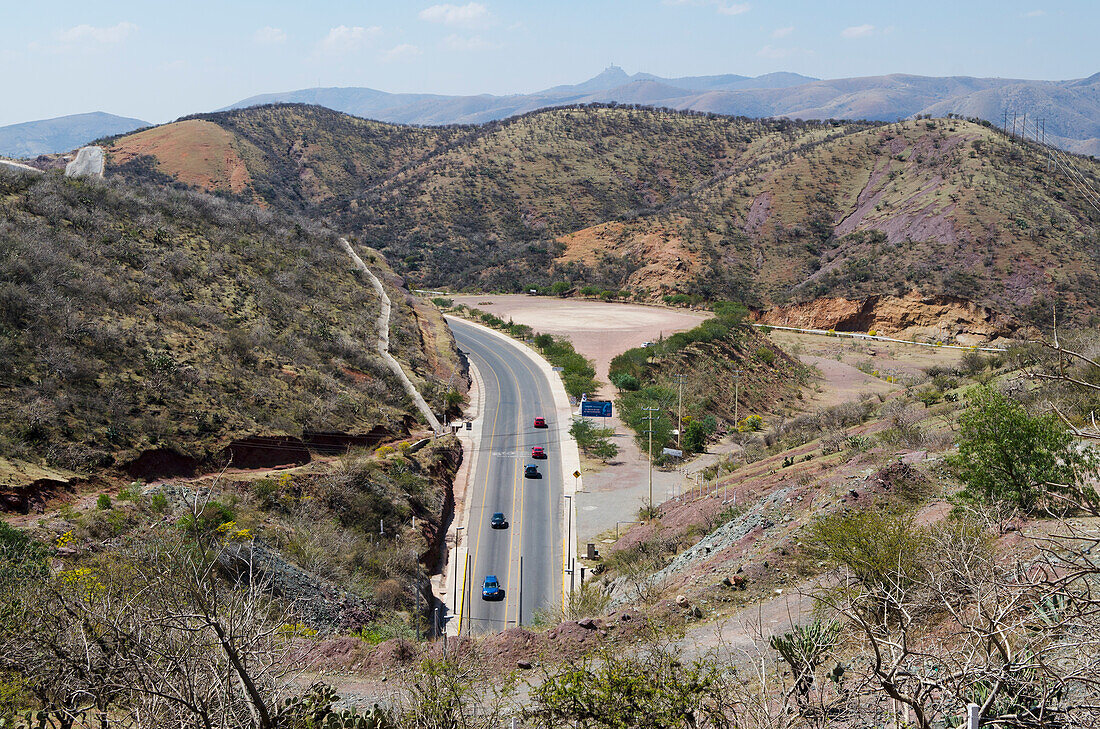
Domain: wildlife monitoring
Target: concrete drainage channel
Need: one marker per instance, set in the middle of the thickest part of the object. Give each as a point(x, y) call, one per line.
point(383, 344)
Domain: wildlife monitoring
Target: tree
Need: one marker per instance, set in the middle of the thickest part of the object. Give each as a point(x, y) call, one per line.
point(593, 440)
point(696, 434)
point(651, 686)
point(625, 381)
point(1009, 457)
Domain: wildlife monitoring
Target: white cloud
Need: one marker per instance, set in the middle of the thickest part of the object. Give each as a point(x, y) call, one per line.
point(92, 34)
point(269, 36)
point(782, 32)
point(734, 9)
point(469, 15)
point(722, 6)
point(1034, 14)
point(858, 31)
point(343, 39)
point(398, 52)
point(455, 42)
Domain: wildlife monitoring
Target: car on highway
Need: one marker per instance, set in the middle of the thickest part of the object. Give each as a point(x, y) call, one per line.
point(538, 452)
point(531, 471)
point(540, 422)
point(490, 590)
point(498, 521)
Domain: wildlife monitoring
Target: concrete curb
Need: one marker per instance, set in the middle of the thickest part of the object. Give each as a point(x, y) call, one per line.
point(570, 459)
point(471, 444)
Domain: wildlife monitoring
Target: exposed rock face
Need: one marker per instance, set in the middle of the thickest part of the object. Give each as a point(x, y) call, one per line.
point(945, 318)
point(320, 604)
point(88, 163)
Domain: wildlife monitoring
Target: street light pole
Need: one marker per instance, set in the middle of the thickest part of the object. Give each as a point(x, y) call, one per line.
point(454, 589)
point(569, 532)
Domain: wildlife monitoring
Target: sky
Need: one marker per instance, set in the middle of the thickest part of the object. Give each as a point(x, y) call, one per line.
point(158, 60)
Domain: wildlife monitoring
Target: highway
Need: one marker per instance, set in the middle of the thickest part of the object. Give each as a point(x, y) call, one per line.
point(515, 391)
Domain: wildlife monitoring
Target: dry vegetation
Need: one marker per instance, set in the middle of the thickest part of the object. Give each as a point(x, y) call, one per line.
point(137, 318)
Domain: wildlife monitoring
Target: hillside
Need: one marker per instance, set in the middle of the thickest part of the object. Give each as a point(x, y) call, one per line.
point(662, 203)
point(485, 213)
point(938, 206)
point(62, 134)
point(163, 332)
point(1068, 107)
point(289, 156)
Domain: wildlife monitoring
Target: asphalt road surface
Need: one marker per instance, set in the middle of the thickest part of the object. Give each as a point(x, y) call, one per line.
point(516, 392)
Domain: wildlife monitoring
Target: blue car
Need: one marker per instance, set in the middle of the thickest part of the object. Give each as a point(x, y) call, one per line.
point(491, 589)
point(531, 471)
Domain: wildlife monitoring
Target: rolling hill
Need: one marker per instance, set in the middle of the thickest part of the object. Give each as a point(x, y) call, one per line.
point(1071, 109)
point(65, 133)
point(662, 203)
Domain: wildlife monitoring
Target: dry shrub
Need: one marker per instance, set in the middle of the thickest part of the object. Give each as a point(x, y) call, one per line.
point(389, 594)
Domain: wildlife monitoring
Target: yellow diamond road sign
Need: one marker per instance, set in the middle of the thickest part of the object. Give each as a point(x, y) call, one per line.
point(576, 474)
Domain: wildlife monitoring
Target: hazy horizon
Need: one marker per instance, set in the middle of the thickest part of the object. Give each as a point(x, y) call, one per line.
point(72, 59)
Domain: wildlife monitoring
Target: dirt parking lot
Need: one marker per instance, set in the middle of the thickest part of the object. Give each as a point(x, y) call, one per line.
point(598, 330)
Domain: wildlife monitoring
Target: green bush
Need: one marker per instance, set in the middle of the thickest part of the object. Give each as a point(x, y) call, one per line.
point(625, 381)
point(103, 502)
point(560, 288)
point(881, 549)
point(1008, 456)
point(209, 519)
point(593, 440)
point(696, 434)
point(766, 356)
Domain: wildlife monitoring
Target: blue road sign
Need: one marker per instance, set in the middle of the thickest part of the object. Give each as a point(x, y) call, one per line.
point(596, 408)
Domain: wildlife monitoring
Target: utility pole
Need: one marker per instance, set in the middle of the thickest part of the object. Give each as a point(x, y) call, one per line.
point(416, 589)
point(649, 419)
point(736, 393)
point(679, 409)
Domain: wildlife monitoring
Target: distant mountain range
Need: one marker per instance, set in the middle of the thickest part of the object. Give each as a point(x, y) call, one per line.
point(1071, 109)
point(63, 133)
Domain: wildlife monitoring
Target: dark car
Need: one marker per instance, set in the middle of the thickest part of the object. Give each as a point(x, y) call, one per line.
point(531, 471)
point(498, 521)
point(491, 589)
point(538, 452)
point(540, 422)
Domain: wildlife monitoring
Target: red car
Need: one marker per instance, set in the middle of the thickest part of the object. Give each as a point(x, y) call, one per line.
point(540, 422)
point(538, 452)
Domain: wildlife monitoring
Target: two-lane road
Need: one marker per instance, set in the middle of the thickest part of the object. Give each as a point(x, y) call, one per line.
point(515, 392)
